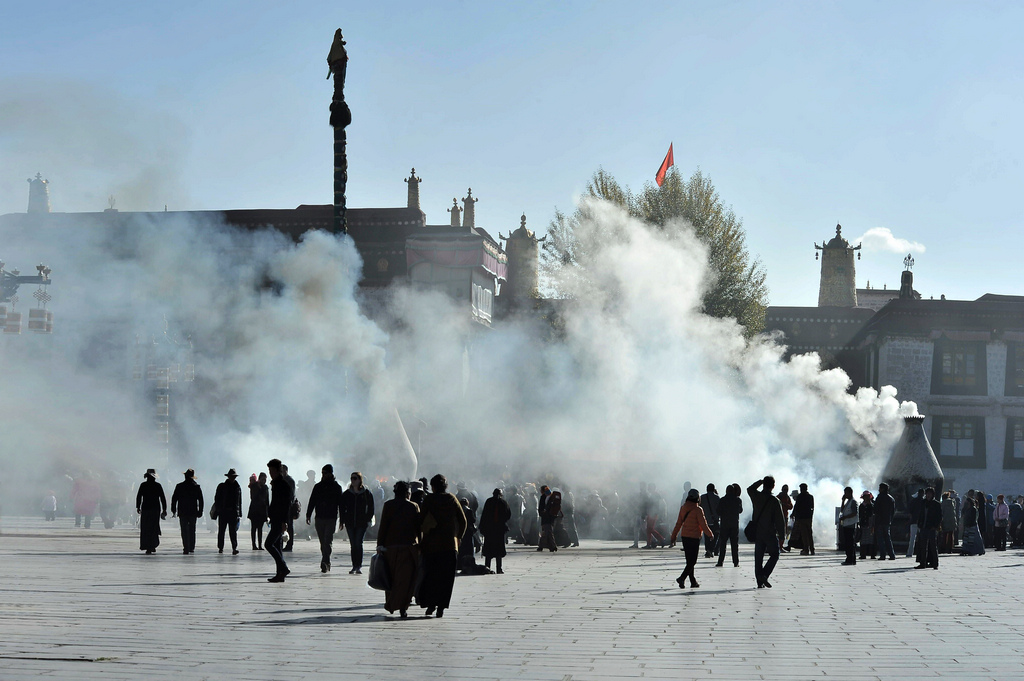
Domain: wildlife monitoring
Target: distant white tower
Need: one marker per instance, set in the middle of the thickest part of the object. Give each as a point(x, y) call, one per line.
point(38, 195)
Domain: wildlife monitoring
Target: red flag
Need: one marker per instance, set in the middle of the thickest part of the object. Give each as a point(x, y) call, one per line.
point(665, 165)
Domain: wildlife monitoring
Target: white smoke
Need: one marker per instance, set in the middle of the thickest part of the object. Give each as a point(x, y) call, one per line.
point(632, 380)
point(882, 239)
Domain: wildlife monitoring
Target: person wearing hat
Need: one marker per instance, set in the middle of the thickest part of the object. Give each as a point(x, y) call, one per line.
point(151, 505)
point(690, 525)
point(228, 500)
point(187, 505)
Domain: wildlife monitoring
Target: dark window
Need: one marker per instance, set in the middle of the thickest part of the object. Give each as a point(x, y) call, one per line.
point(1014, 369)
point(959, 369)
point(959, 441)
point(1014, 455)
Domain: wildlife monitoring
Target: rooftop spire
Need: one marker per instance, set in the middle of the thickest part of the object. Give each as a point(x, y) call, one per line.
point(414, 189)
point(456, 213)
point(469, 219)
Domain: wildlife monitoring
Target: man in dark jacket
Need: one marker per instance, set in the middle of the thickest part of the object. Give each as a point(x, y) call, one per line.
point(325, 500)
point(709, 504)
point(803, 521)
point(187, 504)
point(280, 511)
point(356, 515)
point(291, 521)
point(729, 510)
point(929, 522)
point(228, 500)
point(885, 509)
point(770, 528)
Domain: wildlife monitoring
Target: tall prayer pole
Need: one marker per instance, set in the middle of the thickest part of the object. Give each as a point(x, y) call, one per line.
point(341, 116)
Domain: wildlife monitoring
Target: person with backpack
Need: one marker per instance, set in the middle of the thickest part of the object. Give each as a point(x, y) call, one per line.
point(690, 525)
point(356, 516)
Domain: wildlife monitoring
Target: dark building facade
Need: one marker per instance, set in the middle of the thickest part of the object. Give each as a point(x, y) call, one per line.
point(961, 361)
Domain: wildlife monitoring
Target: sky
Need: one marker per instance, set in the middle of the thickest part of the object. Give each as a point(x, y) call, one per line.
point(900, 121)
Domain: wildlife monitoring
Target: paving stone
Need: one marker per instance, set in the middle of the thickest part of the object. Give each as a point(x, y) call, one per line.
point(84, 604)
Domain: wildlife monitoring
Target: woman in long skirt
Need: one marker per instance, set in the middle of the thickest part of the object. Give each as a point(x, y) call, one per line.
point(973, 544)
point(151, 505)
point(398, 542)
point(442, 523)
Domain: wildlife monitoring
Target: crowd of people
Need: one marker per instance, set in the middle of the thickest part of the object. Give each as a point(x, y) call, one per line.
point(425, 535)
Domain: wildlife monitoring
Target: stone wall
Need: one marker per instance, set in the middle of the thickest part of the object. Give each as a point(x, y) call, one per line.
point(906, 364)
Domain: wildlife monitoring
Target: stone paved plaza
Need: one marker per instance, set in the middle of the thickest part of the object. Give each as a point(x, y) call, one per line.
point(86, 604)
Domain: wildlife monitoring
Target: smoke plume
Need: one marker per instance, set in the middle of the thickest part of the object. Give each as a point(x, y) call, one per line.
point(630, 383)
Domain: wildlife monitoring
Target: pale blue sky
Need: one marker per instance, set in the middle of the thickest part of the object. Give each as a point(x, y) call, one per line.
point(904, 116)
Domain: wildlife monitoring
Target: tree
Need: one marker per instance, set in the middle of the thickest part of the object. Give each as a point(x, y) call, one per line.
point(738, 290)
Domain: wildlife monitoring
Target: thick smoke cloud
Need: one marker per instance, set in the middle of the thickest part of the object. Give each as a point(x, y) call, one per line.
point(631, 383)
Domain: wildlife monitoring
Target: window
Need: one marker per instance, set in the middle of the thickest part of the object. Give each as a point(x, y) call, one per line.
point(959, 441)
point(959, 369)
point(1015, 369)
point(1014, 455)
point(956, 438)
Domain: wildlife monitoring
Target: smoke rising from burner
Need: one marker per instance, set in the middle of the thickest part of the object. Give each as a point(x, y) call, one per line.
point(633, 382)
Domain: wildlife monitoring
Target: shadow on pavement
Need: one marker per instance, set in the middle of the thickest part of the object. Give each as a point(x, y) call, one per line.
point(327, 619)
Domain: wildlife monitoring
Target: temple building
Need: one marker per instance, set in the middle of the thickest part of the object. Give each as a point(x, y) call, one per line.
point(961, 361)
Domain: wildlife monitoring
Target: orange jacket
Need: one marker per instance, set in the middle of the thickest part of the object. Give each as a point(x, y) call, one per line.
point(691, 521)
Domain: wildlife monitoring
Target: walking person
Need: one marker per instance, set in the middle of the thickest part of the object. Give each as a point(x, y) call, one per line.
point(769, 526)
point(803, 520)
point(259, 508)
point(279, 512)
point(1000, 521)
point(442, 523)
point(356, 516)
point(885, 509)
point(709, 503)
point(398, 537)
point(569, 519)
point(494, 520)
point(929, 523)
point(848, 517)
point(228, 500)
point(187, 504)
point(729, 510)
point(151, 505)
point(325, 501)
point(690, 525)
